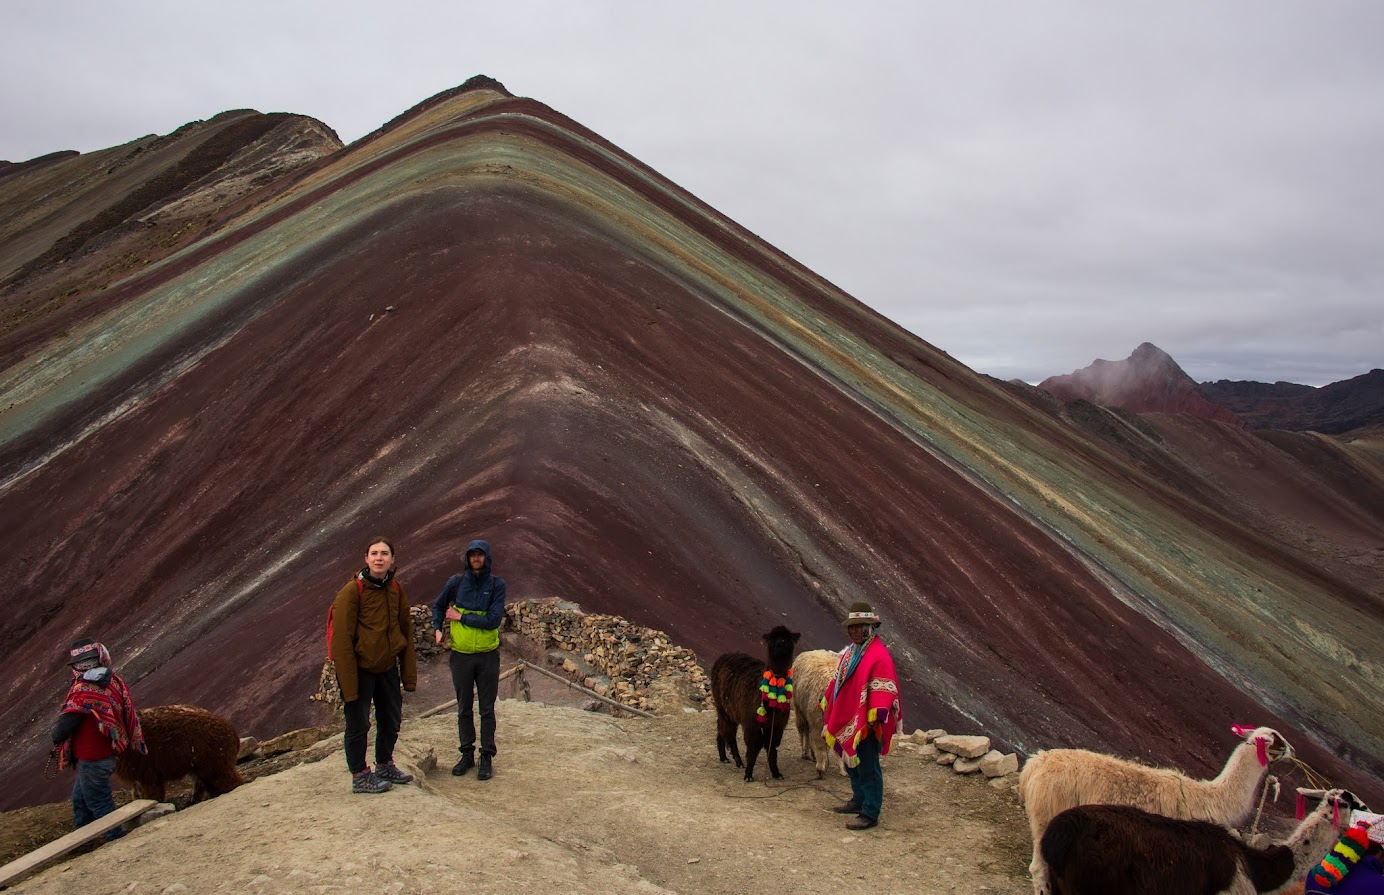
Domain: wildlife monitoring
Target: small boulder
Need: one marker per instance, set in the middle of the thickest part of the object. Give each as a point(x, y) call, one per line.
point(964, 746)
point(418, 758)
point(996, 764)
point(294, 740)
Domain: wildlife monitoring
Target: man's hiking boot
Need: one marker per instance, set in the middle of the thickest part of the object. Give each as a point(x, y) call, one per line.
point(389, 772)
point(468, 761)
point(366, 781)
point(862, 823)
point(485, 769)
point(851, 807)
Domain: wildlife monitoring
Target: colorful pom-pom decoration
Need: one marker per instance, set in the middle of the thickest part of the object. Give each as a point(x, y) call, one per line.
point(1344, 855)
point(774, 692)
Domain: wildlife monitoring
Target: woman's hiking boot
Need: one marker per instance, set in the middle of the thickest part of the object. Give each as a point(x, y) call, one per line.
point(468, 761)
point(862, 823)
point(485, 770)
point(366, 781)
point(851, 807)
point(389, 772)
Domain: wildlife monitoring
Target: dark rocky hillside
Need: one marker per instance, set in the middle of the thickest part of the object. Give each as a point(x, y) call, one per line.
point(1334, 409)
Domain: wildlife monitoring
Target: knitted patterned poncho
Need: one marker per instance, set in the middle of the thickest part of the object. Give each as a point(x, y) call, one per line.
point(863, 697)
point(110, 703)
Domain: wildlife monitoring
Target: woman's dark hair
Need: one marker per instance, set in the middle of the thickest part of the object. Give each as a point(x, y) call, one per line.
point(385, 541)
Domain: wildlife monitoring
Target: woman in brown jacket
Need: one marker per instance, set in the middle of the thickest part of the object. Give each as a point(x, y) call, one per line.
point(372, 649)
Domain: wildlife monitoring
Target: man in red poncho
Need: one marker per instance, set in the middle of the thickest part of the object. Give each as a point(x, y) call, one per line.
point(96, 723)
point(862, 711)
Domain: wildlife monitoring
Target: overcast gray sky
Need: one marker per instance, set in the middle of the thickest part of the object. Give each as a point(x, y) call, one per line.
point(1027, 185)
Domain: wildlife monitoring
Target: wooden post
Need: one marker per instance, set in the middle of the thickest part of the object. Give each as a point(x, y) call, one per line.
point(518, 686)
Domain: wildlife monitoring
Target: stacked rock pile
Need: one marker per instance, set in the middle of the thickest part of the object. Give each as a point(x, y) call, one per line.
point(636, 666)
point(966, 754)
point(423, 634)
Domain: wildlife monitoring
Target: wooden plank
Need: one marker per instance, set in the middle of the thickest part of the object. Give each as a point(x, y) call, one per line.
point(452, 703)
point(21, 867)
point(522, 663)
point(438, 709)
point(588, 691)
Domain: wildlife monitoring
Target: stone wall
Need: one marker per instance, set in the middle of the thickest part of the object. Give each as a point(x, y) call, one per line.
point(636, 666)
point(423, 634)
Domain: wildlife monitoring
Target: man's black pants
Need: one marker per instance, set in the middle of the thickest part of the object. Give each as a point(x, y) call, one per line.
point(476, 675)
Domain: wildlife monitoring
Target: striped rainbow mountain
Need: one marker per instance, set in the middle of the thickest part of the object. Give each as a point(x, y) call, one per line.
point(232, 354)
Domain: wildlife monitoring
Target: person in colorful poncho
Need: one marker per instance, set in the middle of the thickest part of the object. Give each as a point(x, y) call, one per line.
point(96, 723)
point(861, 711)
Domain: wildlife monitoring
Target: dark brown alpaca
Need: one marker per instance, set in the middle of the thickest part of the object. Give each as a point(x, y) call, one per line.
point(1120, 850)
point(735, 680)
point(182, 740)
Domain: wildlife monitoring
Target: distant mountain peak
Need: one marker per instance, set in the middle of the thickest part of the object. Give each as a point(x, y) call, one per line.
point(1149, 351)
point(1148, 381)
point(483, 82)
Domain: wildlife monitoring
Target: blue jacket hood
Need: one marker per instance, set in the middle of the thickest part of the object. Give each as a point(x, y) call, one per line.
point(484, 547)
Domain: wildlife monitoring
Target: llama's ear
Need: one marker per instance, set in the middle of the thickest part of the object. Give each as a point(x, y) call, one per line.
point(796, 635)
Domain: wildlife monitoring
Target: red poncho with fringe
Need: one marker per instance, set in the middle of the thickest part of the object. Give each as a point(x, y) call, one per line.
point(113, 710)
point(863, 697)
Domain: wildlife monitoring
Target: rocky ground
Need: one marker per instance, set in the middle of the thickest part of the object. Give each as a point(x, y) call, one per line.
point(580, 802)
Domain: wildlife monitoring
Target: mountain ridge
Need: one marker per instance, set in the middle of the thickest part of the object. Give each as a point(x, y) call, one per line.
point(1338, 408)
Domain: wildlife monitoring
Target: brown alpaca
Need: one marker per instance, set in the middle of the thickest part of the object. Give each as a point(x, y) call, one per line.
point(1121, 850)
point(735, 680)
point(182, 740)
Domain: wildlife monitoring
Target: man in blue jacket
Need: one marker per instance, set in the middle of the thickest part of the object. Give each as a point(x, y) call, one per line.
point(473, 605)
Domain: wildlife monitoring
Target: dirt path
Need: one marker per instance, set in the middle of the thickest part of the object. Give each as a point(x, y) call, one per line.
point(580, 802)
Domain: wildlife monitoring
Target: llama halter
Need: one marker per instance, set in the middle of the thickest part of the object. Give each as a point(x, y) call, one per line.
point(774, 693)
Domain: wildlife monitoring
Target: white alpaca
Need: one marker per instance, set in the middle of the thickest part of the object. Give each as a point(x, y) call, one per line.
point(1309, 843)
point(812, 673)
point(1057, 779)
point(1122, 850)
